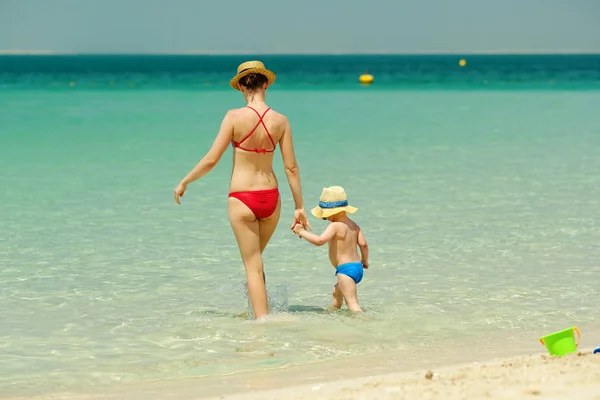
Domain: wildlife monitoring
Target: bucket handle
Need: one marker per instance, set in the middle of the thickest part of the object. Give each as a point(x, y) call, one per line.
point(578, 337)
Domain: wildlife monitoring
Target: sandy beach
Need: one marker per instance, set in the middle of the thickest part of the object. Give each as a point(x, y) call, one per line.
point(539, 376)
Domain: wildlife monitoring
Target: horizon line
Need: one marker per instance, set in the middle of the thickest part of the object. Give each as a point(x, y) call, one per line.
point(239, 53)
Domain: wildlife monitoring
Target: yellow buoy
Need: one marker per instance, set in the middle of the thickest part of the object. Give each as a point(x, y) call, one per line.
point(72, 84)
point(462, 62)
point(366, 79)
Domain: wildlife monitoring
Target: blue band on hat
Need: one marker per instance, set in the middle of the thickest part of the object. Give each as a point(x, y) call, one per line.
point(333, 204)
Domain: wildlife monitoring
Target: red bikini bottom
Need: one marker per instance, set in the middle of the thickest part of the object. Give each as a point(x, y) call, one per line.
point(261, 202)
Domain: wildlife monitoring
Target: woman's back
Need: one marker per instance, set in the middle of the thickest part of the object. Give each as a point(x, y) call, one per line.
point(256, 133)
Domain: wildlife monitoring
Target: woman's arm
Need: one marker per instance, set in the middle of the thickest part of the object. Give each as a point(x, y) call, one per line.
point(292, 173)
point(211, 158)
point(215, 153)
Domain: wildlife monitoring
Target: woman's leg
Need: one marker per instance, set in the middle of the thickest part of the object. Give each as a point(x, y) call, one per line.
point(246, 230)
point(266, 229)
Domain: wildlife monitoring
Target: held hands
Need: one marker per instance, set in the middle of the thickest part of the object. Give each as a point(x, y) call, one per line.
point(300, 218)
point(179, 191)
point(297, 228)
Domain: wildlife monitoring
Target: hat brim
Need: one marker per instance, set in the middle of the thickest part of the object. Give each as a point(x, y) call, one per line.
point(235, 81)
point(328, 212)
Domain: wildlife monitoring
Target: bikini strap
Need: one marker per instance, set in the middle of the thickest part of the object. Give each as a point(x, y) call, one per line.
point(260, 121)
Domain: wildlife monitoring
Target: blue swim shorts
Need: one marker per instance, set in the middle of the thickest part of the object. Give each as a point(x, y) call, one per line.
point(354, 270)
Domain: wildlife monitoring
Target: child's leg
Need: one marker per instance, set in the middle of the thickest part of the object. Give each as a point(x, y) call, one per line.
point(338, 298)
point(348, 288)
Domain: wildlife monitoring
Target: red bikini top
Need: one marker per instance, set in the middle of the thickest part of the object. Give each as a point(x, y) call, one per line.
point(238, 145)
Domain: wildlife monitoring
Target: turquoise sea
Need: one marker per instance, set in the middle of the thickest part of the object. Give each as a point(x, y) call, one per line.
point(478, 189)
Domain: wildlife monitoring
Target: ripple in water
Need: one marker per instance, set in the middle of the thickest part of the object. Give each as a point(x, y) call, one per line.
point(278, 296)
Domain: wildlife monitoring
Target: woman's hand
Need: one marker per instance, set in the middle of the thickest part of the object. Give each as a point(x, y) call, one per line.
point(300, 218)
point(179, 191)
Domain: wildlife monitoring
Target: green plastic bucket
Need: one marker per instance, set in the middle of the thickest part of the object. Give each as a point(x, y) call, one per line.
point(562, 342)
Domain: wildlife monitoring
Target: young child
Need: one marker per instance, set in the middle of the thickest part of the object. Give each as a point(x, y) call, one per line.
point(343, 236)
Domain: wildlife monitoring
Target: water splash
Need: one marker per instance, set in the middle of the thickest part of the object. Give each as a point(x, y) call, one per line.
point(278, 295)
point(277, 298)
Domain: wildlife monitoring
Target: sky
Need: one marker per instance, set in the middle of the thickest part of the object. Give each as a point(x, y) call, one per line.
point(307, 26)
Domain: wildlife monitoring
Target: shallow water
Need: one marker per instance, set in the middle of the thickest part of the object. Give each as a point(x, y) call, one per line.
point(480, 207)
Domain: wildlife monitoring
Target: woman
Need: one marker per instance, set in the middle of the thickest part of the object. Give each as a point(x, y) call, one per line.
point(254, 203)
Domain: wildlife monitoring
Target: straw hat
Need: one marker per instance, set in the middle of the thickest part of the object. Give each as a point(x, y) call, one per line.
point(251, 67)
point(333, 200)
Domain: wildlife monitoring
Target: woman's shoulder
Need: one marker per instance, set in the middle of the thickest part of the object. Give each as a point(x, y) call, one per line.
point(277, 113)
point(279, 118)
point(244, 112)
point(234, 112)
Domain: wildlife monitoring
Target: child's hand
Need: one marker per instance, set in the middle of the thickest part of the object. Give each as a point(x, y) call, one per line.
point(365, 264)
point(297, 228)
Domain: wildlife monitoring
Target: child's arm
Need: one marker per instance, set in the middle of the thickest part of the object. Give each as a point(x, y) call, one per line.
point(364, 249)
point(317, 240)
